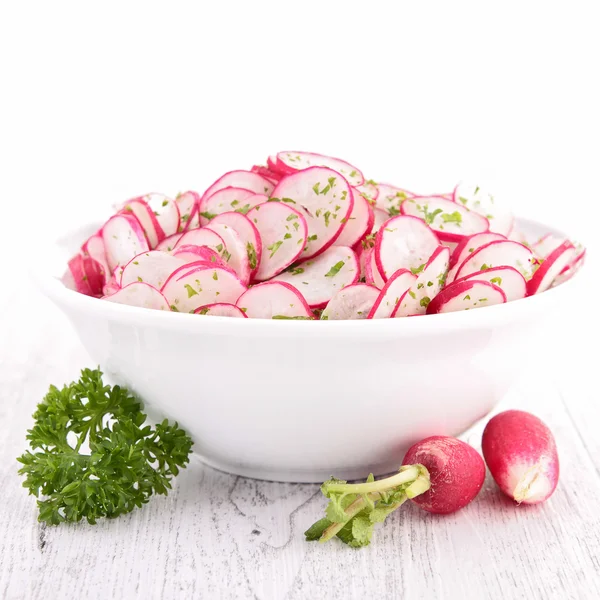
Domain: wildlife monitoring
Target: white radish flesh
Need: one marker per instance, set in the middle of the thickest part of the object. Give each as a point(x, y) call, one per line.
point(235, 253)
point(123, 238)
point(390, 197)
point(318, 279)
point(202, 237)
point(274, 299)
point(372, 274)
point(379, 218)
point(225, 200)
point(221, 309)
point(508, 279)
point(241, 179)
point(283, 232)
point(166, 213)
point(139, 294)
point(551, 268)
point(169, 243)
point(547, 244)
point(393, 291)
point(359, 223)
point(189, 205)
point(466, 295)
point(95, 248)
point(350, 303)
point(142, 212)
point(501, 253)
point(467, 247)
point(299, 161)
point(153, 268)
point(189, 253)
point(325, 200)
point(478, 200)
point(369, 190)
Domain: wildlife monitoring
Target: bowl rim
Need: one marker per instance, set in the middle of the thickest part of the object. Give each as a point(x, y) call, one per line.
point(489, 317)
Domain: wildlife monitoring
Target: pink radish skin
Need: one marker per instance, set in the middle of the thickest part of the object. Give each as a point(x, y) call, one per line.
point(372, 274)
point(202, 237)
point(221, 309)
point(189, 205)
point(508, 279)
point(166, 212)
point(392, 293)
point(139, 294)
point(351, 303)
point(466, 295)
point(521, 455)
point(189, 253)
point(359, 223)
point(224, 200)
point(169, 243)
point(470, 244)
point(456, 471)
point(95, 248)
point(272, 176)
point(551, 268)
point(241, 179)
point(236, 255)
point(87, 275)
point(123, 238)
point(142, 212)
point(298, 161)
point(274, 299)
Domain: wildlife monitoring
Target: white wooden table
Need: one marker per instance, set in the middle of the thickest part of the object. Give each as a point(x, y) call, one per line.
point(219, 536)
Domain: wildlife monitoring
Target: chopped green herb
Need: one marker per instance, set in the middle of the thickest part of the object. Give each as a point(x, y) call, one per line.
point(485, 267)
point(274, 247)
point(287, 236)
point(235, 202)
point(312, 238)
point(326, 216)
point(165, 202)
point(140, 279)
point(353, 174)
point(467, 297)
point(335, 269)
point(421, 286)
point(284, 318)
point(483, 299)
point(417, 270)
point(244, 209)
point(425, 301)
point(203, 311)
point(288, 200)
point(215, 276)
point(174, 308)
point(190, 290)
point(315, 188)
point(219, 247)
point(291, 217)
point(412, 294)
point(135, 262)
point(393, 211)
point(208, 215)
point(296, 271)
point(251, 252)
point(496, 280)
point(454, 217)
point(463, 200)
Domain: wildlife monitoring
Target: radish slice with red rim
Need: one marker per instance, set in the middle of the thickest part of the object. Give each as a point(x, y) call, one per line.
point(166, 213)
point(390, 197)
point(95, 248)
point(279, 168)
point(508, 279)
point(430, 280)
point(202, 237)
point(225, 200)
point(85, 275)
point(319, 278)
point(247, 232)
point(139, 294)
point(191, 286)
point(272, 176)
point(372, 274)
point(403, 242)
point(350, 303)
point(123, 238)
point(467, 247)
point(241, 179)
point(359, 223)
point(369, 190)
point(283, 234)
point(152, 267)
point(221, 309)
point(450, 221)
point(325, 200)
point(466, 295)
point(569, 271)
point(189, 206)
point(189, 253)
point(142, 212)
point(273, 300)
point(234, 254)
point(379, 218)
point(393, 291)
point(547, 244)
point(299, 161)
point(552, 266)
point(169, 243)
point(478, 200)
point(501, 253)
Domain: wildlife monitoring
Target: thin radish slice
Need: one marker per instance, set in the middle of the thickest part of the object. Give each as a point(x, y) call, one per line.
point(272, 300)
point(139, 294)
point(112, 285)
point(508, 279)
point(403, 242)
point(427, 286)
point(448, 196)
point(390, 197)
point(221, 309)
point(247, 232)
point(283, 233)
point(225, 200)
point(166, 212)
point(153, 268)
point(318, 279)
point(241, 179)
point(169, 243)
point(379, 218)
point(369, 190)
point(359, 222)
point(123, 238)
point(501, 253)
point(142, 212)
point(202, 237)
point(570, 270)
point(547, 244)
point(467, 247)
point(278, 168)
point(466, 295)
point(393, 291)
point(189, 253)
point(551, 268)
point(478, 200)
point(350, 303)
point(86, 275)
point(189, 206)
point(235, 253)
point(191, 286)
point(272, 176)
point(372, 274)
point(299, 161)
point(324, 198)
point(450, 221)
point(95, 248)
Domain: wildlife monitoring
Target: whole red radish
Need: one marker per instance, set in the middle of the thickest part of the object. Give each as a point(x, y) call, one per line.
point(520, 452)
point(456, 470)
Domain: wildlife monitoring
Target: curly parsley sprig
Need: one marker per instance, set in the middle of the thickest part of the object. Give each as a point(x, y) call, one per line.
point(93, 456)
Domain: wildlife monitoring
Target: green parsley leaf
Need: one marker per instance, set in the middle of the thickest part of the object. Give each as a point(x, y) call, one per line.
point(208, 215)
point(335, 269)
point(274, 247)
point(425, 301)
point(190, 290)
point(496, 280)
point(251, 252)
point(284, 318)
point(454, 217)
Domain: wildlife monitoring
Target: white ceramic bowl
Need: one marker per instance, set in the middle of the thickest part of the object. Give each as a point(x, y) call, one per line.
point(299, 400)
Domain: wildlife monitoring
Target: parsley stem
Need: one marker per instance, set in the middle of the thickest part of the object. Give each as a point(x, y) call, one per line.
point(407, 474)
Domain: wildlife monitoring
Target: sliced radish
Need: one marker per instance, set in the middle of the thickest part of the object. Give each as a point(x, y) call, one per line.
point(166, 212)
point(393, 291)
point(359, 222)
point(189, 253)
point(403, 242)
point(467, 247)
point(379, 218)
point(283, 233)
point(478, 200)
point(371, 271)
point(299, 161)
point(95, 248)
point(319, 278)
point(86, 275)
point(189, 287)
point(547, 244)
point(189, 206)
point(466, 295)
point(202, 237)
point(450, 221)
point(352, 302)
point(247, 232)
point(112, 285)
point(123, 238)
point(224, 200)
point(139, 294)
point(324, 198)
point(278, 168)
point(143, 213)
point(272, 300)
point(427, 286)
point(152, 267)
point(241, 179)
point(369, 190)
point(390, 197)
point(235, 253)
point(272, 176)
point(501, 253)
point(169, 243)
point(221, 309)
point(508, 279)
point(570, 270)
point(551, 268)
